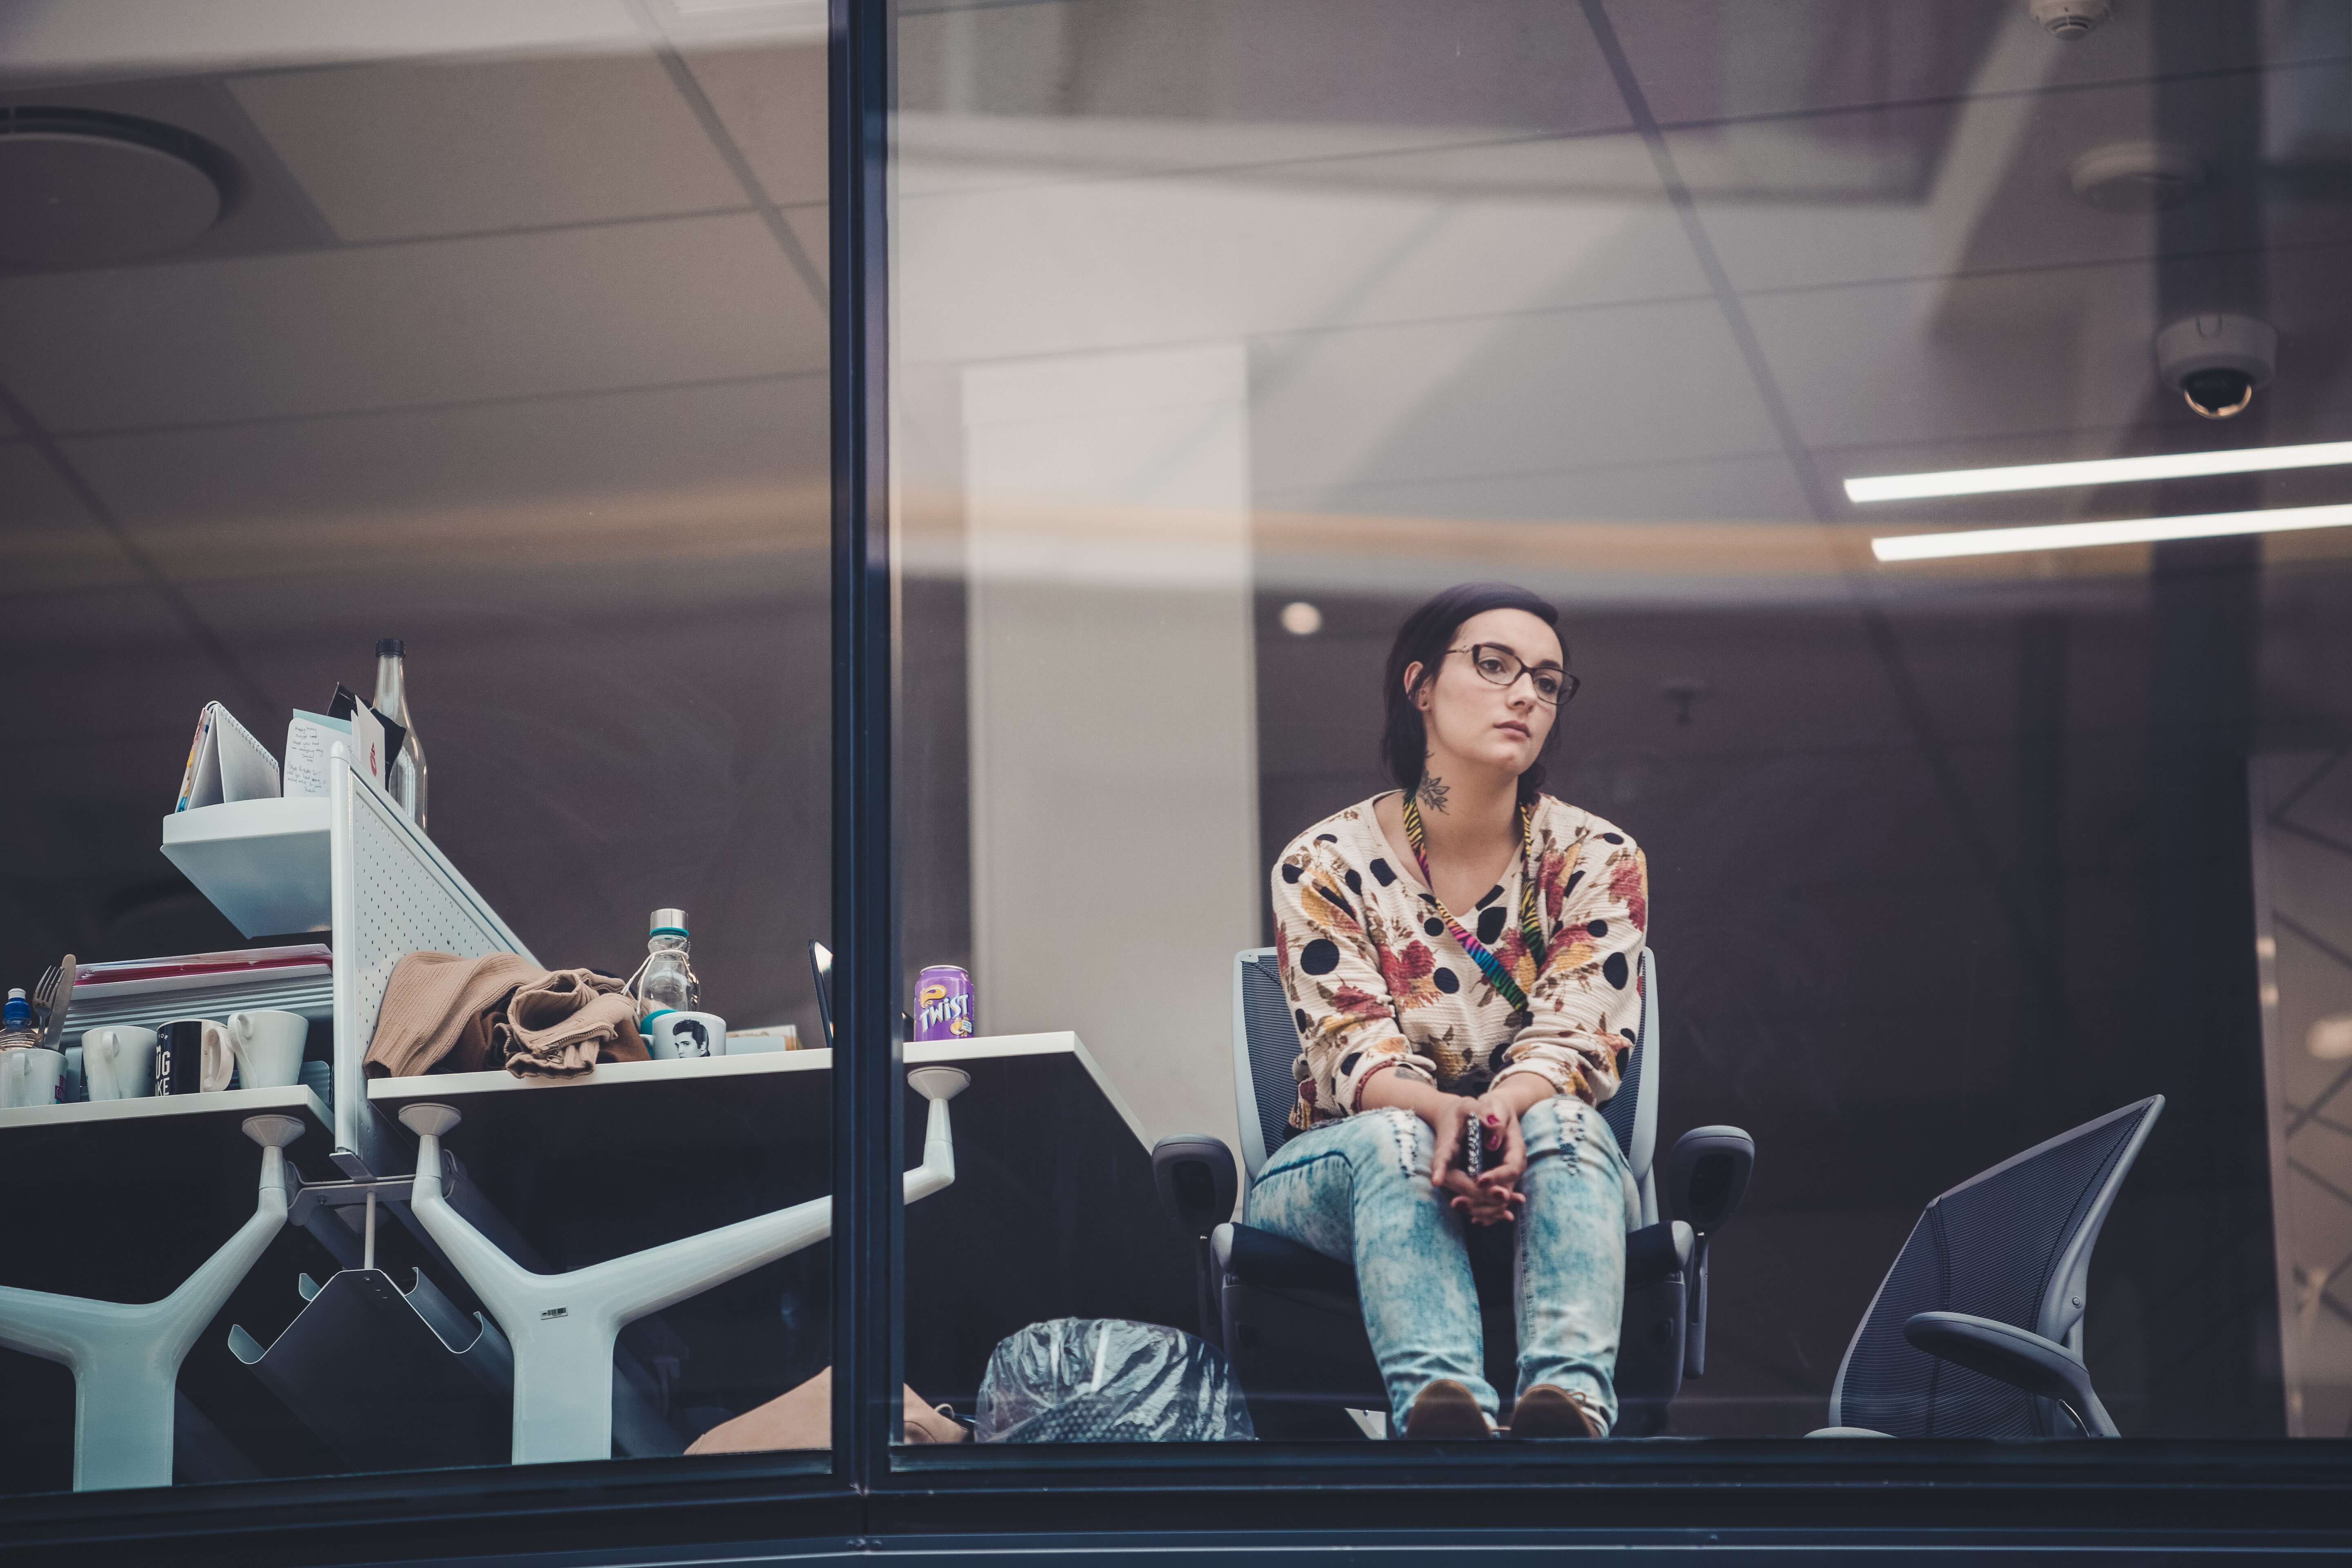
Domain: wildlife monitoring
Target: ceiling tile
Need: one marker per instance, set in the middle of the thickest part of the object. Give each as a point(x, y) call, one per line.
point(57, 561)
point(1997, 195)
point(1072, 266)
point(1911, 362)
point(631, 304)
point(1712, 59)
point(172, 37)
point(1511, 395)
point(643, 501)
point(1760, 488)
point(771, 101)
point(1524, 64)
point(393, 151)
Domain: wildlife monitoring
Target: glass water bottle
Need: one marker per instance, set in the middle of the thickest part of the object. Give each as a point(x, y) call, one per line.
point(405, 780)
point(668, 982)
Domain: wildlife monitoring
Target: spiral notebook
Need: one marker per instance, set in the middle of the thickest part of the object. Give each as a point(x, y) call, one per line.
point(226, 763)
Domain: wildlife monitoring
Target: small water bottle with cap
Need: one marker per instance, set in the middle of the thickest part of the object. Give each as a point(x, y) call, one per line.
point(666, 984)
point(16, 1021)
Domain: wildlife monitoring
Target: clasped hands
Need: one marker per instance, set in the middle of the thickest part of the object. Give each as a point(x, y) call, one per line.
point(1493, 1195)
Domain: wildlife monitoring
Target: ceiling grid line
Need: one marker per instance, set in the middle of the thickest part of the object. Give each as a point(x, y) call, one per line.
point(438, 405)
point(705, 114)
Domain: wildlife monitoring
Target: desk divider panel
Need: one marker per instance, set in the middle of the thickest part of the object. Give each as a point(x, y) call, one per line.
point(393, 893)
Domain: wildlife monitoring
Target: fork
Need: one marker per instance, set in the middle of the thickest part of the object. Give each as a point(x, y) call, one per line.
point(60, 991)
point(45, 993)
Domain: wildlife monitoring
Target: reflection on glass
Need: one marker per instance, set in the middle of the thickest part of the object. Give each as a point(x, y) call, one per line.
point(1228, 335)
point(363, 378)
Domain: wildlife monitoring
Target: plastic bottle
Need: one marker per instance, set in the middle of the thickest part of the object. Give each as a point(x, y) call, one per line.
point(405, 780)
point(16, 1021)
point(668, 984)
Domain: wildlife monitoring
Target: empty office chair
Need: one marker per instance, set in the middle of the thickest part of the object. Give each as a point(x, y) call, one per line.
point(1288, 1316)
point(1977, 1332)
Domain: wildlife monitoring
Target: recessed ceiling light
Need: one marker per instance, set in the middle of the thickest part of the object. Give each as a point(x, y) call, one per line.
point(81, 189)
point(2096, 472)
point(2124, 531)
point(1301, 619)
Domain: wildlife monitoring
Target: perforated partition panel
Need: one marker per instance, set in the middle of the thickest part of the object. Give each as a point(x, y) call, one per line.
point(393, 894)
point(1990, 1246)
point(1273, 1045)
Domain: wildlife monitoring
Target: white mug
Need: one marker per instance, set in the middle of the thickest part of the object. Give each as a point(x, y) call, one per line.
point(30, 1075)
point(117, 1062)
point(268, 1047)
point(672, 1035)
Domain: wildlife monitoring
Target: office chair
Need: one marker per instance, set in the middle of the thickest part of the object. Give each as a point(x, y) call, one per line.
point(1287, 1317)
point(1977, 1332)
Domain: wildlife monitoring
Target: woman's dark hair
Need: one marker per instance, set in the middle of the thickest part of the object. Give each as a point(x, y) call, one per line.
point(1424, 638)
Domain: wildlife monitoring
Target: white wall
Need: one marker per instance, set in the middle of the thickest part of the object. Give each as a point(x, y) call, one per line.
point(1114, 775)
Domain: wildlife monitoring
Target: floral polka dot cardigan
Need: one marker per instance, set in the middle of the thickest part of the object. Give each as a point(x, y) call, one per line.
point(1380, 983)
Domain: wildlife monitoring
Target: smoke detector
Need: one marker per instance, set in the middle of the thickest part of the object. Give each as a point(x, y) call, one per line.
point(2070, 19)
point(2136, 176)
point(78, 188)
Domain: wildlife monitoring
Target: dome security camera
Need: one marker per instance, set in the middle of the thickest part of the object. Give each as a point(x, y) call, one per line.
point(2070, 19)
point(2216, 362)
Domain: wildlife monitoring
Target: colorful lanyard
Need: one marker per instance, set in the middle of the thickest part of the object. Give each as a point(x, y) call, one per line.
point(1531, 928)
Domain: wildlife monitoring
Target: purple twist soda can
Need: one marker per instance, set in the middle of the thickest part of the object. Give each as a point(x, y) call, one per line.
point(943, 1004)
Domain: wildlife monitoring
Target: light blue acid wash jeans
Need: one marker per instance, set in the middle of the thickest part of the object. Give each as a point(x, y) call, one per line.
point(1358, 1191)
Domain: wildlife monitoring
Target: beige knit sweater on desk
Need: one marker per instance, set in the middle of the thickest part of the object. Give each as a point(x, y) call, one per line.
point(499, 1010)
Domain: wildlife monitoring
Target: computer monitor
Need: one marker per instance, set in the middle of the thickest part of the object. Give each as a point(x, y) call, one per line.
point(821, 963)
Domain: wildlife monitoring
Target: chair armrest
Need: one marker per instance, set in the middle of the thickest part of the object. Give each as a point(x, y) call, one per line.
point(1197, 1185)
point(1195, 1173)
point(1706, 1176)
point(1656, 1252)
point(2018, 1357)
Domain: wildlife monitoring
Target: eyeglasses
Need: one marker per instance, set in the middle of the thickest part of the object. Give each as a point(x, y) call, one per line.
point(1500, 666)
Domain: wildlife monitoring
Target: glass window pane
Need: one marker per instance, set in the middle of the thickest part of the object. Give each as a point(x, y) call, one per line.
point(1975, 877)
point(499, 334)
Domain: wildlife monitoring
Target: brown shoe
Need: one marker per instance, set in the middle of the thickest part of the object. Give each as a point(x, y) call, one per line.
point(1545, 1411)
point(1445, 1410)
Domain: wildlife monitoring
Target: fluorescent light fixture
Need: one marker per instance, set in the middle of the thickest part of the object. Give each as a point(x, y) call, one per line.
point(2097, 472)
point(2128, 531)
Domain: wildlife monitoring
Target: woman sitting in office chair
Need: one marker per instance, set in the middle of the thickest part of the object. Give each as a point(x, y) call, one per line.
point(1463, 956)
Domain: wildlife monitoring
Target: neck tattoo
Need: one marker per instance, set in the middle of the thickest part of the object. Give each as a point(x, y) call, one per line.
point(1432, 791)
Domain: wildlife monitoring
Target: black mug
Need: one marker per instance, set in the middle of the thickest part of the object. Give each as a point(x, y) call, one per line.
point(180, 1055)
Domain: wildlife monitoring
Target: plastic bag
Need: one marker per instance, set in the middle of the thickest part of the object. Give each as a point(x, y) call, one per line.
point(1106, 1380)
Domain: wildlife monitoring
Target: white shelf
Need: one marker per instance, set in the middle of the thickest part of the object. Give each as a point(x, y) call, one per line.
point(227, 1103)
point(263, 863)
point(456, 1088)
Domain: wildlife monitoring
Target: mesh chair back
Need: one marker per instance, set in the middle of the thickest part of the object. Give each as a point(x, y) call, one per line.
point(1636, 1090)
point(1265, 1047)
point(2015, 1244)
